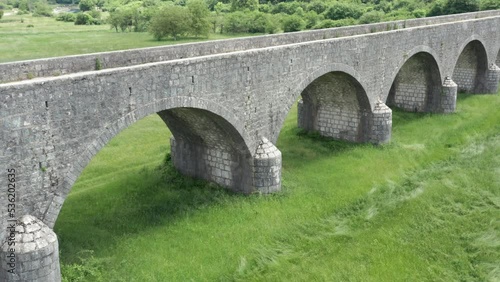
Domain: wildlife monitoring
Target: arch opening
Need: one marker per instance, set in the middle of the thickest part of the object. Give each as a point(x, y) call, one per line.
point(205, 145)
point(336, 105)
point(417, 85)
point(470, 69)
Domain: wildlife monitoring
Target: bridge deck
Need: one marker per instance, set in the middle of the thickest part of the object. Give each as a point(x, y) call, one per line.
point(23, 70)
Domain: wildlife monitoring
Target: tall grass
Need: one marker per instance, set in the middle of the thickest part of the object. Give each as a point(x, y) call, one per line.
point(425, 207)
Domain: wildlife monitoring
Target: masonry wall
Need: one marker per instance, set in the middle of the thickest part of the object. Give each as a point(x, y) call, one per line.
point(79, 63)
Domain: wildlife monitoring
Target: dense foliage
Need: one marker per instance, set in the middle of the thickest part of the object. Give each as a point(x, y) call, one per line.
point(200, 17)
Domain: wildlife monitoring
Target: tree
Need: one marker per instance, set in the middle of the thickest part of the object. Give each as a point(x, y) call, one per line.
point(1, 14)
point(490, 5)
point(239, 5)
point(341, 10)
point(371, 17)
point(170, 20)
point(200, 24)
point(293, 23)
point(461, 6)
point(87, 5)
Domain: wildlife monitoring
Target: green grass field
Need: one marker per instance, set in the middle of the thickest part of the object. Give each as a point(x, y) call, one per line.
point(50, 38)
point(424, 208)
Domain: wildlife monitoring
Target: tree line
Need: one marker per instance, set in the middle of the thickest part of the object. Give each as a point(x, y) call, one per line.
point(178, 18)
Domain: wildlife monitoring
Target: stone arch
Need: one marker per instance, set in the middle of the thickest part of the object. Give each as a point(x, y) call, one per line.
point(221, 155)
point(417, 85)
point(471, 66)
point(334, 103)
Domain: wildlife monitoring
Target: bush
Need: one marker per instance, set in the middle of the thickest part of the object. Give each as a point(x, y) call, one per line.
point(288, 8)
point(66, 17)
point(371, 17)
point(419, 13)
point(42, 9)
point(311, 19)
point(317, 6)
point(87, 5)
point(171, 21)
point(83, 19)
point(341, 10)
point(454, 7)
point(293, 23)
point(490, 4)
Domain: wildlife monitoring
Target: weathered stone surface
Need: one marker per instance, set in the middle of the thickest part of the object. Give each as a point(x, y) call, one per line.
point(31, 253)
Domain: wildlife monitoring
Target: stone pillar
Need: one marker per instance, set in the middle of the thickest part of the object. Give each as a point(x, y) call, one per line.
point(380, 124)
point(35, 254)
point(267, 167)
point(448, 97)
point(306, 115)
point(492, 77)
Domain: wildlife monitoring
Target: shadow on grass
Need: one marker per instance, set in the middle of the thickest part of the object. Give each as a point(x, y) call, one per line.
point(132, 205)
point(300, 147)
point(401, 117)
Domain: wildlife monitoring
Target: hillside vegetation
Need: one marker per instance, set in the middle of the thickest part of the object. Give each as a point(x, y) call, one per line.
point(199, 18)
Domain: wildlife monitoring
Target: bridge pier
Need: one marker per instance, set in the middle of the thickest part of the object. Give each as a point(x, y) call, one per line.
point(492, 78)
point(374, 127)
point(261, 174)
point(380, 124)
point(35, 254)
point(448, 97)
point(267, 168)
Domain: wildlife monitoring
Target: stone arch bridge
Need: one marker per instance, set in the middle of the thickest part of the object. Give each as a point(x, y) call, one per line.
point(225, 103)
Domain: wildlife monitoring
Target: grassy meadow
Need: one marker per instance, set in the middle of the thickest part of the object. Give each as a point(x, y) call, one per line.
point(51, 38)
point(425, 207)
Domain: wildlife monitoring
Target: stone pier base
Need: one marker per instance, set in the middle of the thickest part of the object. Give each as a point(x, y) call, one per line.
point(492, 78)
point(35, 255)
point(267, 167)
point(380, 124)
point(448, 97)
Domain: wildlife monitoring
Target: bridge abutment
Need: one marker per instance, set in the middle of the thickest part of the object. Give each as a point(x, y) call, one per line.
point(35, 254)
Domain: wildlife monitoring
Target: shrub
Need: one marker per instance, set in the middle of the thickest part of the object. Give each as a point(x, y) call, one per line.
point(341, 10)
point(371, 17)
point(490, 4)
point(419, 13)
point(66, 17)
point(171, 21)
point(317, 6)
point(87, 5)
point(293, 23)
point(42, 9)
point(311, 19)
point(83, 19)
